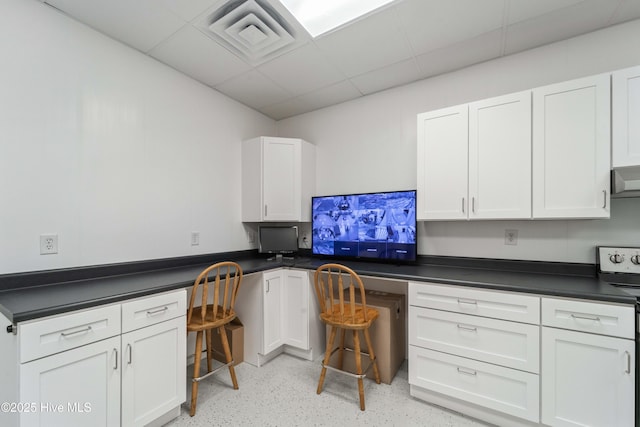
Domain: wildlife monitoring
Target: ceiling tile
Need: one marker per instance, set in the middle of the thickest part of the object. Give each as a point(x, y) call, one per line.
point(330, 95)
point(388, 77)
point(188, 9)
point(521, 10)
point(460, 55)
point(200, 57)
point(628, 10)
point(367, 44)
point(302, 70)
point(140, 24)
point(433, 24)
point(560, 25)
point(288, 108)
point(253, 89)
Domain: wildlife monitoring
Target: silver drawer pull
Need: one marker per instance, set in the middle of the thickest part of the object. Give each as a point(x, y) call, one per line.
point(115, 358)
point(80, 331)
point(467, 372)
point(129, 350)
point(467, 301)
point(158, 311)
point(467, 328)
point(592, 318)
point(628, 370)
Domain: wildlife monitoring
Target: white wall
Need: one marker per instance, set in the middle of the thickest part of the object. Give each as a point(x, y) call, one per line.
point(119, 155)
point(369, 144)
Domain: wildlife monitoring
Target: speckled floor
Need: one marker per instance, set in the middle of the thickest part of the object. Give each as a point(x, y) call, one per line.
point(283, 393)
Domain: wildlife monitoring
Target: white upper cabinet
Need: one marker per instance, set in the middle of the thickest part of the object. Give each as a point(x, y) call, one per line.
point(442, 163)
point(500, 157)
point(625, 114)
point(474, 160)
point(278, 179)
point(571, 149)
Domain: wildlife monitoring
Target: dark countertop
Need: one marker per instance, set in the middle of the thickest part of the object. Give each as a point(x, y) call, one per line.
point(30, 302)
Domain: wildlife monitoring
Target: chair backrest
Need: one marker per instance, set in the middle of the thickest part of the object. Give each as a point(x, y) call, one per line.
point(226, 278)
point(331, 281)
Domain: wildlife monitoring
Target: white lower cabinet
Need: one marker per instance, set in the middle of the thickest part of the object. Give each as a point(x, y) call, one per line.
point(587, 378)
point(154, 363)
point(476, 351)
point(279, 314)
point(78, 387)
point(491, 386)
point(116, 365)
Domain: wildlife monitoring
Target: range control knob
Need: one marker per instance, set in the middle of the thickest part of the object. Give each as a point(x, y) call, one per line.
point(635, 259)
point(616, 258)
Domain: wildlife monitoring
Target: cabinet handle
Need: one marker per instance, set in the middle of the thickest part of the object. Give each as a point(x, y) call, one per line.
point(265, 210)
point(129, 353)
point(80, 331)
point(592, 318)
point(467, 301)
point(463, 205)
point(115, 354)
point(473, 204)
point(604, 193)
point(467, 372)
point(467, 328)
point(158, 311)
point(267, 286)
point(628, 370)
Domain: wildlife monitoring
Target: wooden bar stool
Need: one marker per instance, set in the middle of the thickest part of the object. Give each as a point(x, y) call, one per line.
point(336, 288)
point(206, 317)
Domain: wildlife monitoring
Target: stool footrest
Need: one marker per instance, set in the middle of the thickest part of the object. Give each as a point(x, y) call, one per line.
point(350, 374)
point(208, 374)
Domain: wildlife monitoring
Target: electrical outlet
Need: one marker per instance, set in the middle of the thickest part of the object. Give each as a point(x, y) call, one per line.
point(48, 244)
point(195, 238)
point(511, 237)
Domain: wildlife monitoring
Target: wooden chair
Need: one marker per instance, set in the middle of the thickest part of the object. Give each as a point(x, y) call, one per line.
point(337, 288)
point(223, 281)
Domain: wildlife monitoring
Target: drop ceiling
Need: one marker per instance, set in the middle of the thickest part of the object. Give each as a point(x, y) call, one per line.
point(256, 53)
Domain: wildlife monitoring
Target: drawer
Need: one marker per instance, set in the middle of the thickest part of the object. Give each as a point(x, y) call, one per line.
point(499, 305)
point(586, 316)
point(54, 334)
point(510, 344)
point(506, 390)
point(154, 309)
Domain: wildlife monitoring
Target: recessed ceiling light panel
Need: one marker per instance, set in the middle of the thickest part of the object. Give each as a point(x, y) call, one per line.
point(320, 16)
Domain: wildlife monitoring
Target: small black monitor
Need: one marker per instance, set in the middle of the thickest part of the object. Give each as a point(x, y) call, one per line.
point(278, 239)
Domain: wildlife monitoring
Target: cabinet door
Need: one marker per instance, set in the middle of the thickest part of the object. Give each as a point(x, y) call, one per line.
point(571, 149)
point(153, 371)
point(500, 157)
point(272, 292)
point(442, 163)
point(79, 387)
point(625, 112)
point(587, 379)
point(296, 309)
point(281, 183)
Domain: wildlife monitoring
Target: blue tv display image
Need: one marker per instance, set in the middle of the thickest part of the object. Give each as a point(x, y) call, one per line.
point(372, 225)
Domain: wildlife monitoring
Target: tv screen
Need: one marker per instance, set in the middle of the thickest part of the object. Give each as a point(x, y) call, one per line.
point(379, 226)
point(278, 239)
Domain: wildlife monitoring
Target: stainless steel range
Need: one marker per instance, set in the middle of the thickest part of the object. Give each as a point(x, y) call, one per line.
point(620, 266)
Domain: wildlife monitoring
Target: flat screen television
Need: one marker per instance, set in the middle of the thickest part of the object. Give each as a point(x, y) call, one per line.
point(279, 240)
point(379, 226)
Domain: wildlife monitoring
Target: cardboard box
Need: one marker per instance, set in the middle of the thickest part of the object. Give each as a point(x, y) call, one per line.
point(387, 334)
point(235, 336)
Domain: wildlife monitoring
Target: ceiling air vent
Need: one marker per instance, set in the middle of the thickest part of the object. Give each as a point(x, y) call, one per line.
point(252, 30)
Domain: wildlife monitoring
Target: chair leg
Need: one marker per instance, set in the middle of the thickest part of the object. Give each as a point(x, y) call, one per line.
point(372, 356)
point(208, 334)
point(227, 353)
point(356, 345)
point(196, 373)
point(327, 356)
point(341, 351)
